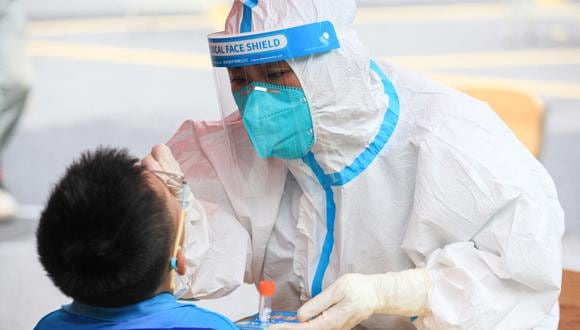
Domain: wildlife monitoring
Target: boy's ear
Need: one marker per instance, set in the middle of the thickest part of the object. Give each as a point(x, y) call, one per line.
point(180, 262)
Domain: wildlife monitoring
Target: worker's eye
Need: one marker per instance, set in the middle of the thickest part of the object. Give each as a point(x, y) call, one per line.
point(274, 75)
point(237, 80)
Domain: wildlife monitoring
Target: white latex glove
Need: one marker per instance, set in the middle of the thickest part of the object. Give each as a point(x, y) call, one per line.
point(161, 159)
point(353, 298)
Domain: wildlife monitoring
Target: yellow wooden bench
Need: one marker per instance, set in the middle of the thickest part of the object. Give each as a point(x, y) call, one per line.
point(570, 301)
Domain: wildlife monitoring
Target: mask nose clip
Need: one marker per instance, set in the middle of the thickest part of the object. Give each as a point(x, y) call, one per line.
point(250, 88)
point(261, 89)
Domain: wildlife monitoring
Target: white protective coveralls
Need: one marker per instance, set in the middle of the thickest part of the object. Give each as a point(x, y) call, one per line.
point(404, 173)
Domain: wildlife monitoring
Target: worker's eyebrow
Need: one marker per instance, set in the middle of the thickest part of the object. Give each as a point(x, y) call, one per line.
point(280, 65)
point(236, 70)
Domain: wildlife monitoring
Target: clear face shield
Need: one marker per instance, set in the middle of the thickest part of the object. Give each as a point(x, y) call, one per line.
point(264, 110)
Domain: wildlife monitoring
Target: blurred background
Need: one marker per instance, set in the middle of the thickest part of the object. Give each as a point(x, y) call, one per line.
point(128, 72)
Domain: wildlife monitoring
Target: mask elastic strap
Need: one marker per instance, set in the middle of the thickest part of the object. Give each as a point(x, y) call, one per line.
point(173, 263)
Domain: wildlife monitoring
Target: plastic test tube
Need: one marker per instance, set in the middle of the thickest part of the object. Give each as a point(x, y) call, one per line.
point(267, 290)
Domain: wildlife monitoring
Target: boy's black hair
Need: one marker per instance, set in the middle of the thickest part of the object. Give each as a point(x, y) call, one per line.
point(105, 235)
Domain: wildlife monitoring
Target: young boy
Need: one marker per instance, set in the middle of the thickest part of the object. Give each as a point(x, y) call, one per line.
point(110, 238)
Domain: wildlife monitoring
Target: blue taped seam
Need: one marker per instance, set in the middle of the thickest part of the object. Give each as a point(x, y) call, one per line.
point(251, 3)
point(328, 242)
point(330, 215)
point(246, 24)
point(363, 160)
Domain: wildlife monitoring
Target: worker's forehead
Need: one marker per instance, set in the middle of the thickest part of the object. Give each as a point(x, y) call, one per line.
point(279, 64)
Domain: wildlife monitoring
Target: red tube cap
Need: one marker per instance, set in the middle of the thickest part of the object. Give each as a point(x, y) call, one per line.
point(267, 288)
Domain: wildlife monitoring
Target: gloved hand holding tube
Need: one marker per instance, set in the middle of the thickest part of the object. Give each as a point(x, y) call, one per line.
point(353, 298)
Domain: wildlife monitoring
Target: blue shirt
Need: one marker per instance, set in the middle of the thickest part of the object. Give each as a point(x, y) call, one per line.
point(160, 312)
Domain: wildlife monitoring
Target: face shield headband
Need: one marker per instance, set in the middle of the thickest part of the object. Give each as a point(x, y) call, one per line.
point(266, 47)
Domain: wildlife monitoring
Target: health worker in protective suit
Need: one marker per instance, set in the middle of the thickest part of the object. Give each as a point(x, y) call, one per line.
point(373, 197)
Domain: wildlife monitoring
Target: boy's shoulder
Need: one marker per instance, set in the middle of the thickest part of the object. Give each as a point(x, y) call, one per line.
point(54, 320)
point(182, 316)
